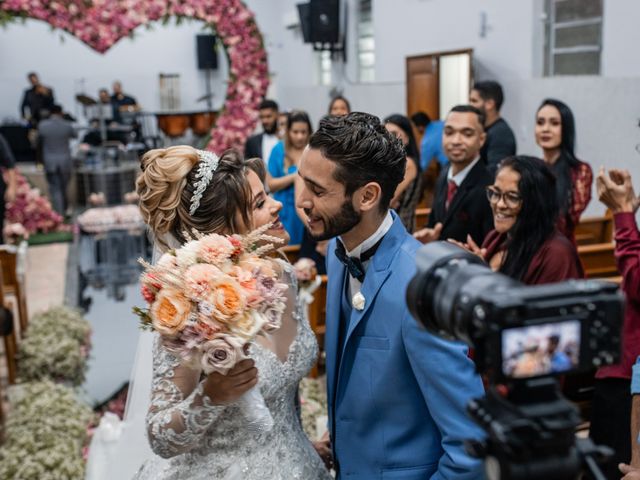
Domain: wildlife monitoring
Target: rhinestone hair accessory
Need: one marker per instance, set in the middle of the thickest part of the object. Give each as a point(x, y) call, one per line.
point(208, 165)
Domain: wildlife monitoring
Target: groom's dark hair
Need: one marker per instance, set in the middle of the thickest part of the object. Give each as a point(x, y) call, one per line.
point(363, 151)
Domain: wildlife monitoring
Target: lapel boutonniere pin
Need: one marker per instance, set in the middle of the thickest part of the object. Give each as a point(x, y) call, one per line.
point(358, 301)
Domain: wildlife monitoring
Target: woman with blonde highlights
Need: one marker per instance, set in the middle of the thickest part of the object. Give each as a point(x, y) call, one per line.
point(194, 427)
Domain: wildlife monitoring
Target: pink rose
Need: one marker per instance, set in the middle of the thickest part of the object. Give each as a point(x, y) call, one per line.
point(221, 354)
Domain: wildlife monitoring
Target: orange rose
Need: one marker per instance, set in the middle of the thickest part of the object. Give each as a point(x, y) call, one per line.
point(170, 312)
point(226, 299)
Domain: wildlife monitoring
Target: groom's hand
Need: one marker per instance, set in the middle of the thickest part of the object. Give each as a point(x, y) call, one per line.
point(225, 389)
point(323, 447)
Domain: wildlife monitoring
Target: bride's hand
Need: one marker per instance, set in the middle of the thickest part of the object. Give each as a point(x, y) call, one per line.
point(225, 389)
point(323, 447)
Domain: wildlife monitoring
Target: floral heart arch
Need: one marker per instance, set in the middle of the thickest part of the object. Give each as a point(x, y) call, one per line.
point(102, 23)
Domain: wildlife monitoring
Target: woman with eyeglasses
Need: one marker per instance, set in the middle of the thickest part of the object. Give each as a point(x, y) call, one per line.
point(525, 243)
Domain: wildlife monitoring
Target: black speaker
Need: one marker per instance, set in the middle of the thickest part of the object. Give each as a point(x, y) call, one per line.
point(324, 21)
point(207, 54)
point(303, 13)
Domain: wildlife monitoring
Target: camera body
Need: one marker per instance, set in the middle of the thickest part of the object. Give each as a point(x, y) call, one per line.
point(517, 331)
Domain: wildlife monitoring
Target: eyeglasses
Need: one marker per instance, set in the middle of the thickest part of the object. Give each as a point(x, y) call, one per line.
point(511, 199)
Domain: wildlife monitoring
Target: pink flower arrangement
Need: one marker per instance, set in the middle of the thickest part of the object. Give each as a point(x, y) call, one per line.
point(211, 297)
point(103, 219)
point(14, 233)
point(308, 279)
point(306, 271)
point(102, 23)
point(32, 210)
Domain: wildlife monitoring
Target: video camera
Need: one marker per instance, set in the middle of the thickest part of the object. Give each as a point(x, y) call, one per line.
point(522, 337)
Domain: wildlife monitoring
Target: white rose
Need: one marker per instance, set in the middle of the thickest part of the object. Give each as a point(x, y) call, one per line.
point(358, 301)
point(187, 255)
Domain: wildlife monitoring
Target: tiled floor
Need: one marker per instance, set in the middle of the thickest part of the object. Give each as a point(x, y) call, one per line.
point(46, 275)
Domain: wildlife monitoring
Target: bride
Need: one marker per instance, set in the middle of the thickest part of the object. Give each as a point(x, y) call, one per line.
point(193, 426)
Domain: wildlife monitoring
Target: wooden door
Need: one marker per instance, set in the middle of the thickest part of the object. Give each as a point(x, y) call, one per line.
point(423, 85)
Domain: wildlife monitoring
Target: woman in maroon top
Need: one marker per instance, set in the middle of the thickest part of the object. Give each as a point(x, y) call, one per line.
point(556, 135)
point(612, 402)
point(526, 244)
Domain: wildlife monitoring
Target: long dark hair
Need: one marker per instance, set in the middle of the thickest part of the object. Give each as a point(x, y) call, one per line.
point(567, 160)
point(536, 221)
point(404, 124)
point(337, 98)
point(296, 116)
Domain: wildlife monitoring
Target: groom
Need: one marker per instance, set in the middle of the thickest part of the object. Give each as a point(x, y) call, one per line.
point(397, 394)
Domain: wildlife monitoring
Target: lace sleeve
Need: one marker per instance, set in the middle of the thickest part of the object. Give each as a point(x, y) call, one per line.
point(180, 411)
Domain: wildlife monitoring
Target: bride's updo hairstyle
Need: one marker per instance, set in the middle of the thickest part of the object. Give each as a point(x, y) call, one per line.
point(167, 185)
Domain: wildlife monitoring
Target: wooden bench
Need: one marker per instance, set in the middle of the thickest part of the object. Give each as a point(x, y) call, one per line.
point(9, 337)
point(292, 252)
point(14, 283)
point(598, 260)
point(422, 217)
point(592, 230)
point(317, 321)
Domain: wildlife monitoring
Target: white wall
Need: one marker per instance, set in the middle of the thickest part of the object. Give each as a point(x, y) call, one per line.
point(606, 106)
point(69, 66)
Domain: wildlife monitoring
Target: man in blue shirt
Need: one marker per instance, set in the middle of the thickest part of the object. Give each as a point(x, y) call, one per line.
point(431, 144)
point(560, 361)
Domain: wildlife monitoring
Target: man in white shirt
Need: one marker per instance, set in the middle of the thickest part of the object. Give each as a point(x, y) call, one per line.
point(261, 144)
point(460, 206)
point(397, 394)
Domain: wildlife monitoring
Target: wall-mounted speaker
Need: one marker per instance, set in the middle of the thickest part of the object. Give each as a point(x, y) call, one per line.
point(324, 21)
point(207, 53)
point(304, 14)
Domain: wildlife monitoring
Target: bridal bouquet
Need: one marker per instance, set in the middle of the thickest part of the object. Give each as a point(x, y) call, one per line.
point(211, 297)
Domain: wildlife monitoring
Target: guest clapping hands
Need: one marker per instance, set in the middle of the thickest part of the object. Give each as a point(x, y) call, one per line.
point(525, 244)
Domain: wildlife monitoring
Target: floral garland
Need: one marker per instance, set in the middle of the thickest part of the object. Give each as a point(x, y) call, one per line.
point(102, 23)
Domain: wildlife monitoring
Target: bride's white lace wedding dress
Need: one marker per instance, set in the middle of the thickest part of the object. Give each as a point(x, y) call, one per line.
point(200, 440)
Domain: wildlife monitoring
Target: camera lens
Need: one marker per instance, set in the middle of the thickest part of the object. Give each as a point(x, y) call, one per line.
point(444, 295)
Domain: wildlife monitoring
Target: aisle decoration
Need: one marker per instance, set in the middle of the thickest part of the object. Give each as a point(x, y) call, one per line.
point(212, 297)
point(102, 23)
point(308, 279)
point(48, 426)
point(46, 431)
point(104, 219)
point(56, 347)
point(32, 211)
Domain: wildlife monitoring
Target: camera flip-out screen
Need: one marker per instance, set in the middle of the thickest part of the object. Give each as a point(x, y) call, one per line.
point(542, 349)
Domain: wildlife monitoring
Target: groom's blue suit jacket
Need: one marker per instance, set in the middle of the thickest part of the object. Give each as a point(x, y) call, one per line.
point(397, 399)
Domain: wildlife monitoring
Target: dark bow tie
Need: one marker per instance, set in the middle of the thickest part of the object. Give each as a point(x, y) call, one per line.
point(355, 265)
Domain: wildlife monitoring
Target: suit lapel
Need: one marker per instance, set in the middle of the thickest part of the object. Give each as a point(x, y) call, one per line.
point(377, 273)
point(468, 183)
point(441, 198)
point(335, 284)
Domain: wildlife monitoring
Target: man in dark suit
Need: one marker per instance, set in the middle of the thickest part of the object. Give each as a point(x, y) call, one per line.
point(54, 135)
point(36, 101)
point(261, 144)
point(460, 205)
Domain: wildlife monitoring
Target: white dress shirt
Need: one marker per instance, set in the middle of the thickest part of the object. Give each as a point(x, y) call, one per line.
point(354, 283)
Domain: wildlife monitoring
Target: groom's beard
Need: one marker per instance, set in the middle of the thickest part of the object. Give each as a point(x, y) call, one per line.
point(341, 223)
